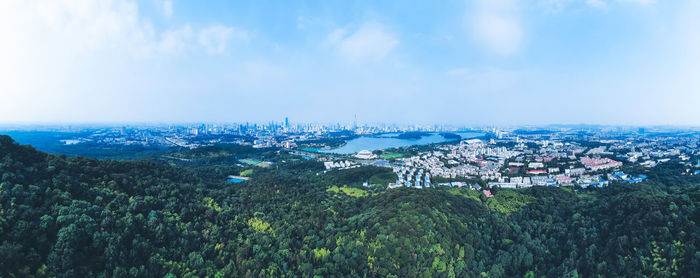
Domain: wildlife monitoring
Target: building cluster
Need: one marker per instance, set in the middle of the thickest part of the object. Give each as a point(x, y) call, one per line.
point(467, 159)
point(625, 178)
point(410, 177)
point(550, 180)
point(600, 163)
point(365, 154)
point(346, 164)
point(473, 186)
point(508, 158)
point(259, 135)
point(553, 158)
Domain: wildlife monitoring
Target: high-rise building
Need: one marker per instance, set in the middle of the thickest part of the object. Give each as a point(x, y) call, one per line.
point(354, 123)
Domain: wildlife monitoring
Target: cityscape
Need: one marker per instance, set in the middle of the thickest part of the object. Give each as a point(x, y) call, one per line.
point(349, 138)
point(499, 157)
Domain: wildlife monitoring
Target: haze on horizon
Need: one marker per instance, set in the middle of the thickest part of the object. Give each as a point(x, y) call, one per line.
point(630, 62)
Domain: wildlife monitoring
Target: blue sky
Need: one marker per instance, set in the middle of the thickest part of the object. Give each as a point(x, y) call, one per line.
point(478, 62)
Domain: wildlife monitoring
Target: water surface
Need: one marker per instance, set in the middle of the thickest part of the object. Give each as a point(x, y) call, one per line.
point(372, 143)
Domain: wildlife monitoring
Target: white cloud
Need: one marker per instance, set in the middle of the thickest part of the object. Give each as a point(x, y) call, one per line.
point(88, 56)
point(555, 6)
point(86, 25)
point(600, 4)
point(371, 42)
point(168, 8)
point(336, 36)
point(603, 4)
point(300, 22)
point(496, 27)
point(639, 2)
point(176, 41)
point(215, 39)
point(109, 25)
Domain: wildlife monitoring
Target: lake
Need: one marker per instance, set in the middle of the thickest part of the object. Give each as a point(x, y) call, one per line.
point(372, 143)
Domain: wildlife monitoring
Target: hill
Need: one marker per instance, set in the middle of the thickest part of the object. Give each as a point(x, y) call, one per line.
point(78, 217)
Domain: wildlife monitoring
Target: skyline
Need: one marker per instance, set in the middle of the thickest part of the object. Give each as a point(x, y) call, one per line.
point(498, 63)
point(349, 124)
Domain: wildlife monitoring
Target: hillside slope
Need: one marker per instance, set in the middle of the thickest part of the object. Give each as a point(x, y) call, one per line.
point(78, 217)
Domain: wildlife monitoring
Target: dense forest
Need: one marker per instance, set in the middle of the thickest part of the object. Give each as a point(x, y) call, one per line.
point(78, 217)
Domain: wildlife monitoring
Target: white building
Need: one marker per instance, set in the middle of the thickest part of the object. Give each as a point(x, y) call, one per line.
point(365, 154)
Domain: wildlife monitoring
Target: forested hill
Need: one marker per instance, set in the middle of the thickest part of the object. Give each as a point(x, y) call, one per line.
point(78, 217)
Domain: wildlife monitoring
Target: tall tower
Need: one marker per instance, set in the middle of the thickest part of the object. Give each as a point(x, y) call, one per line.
point(354, 123)
point(286, 122)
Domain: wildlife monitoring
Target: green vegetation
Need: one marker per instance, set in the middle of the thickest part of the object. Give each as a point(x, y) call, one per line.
point(246, 173)
point(508, 201)
point(204, 152)
point(391, 155)
point(449, 135)
point(51, 142)
point(219, 152)
point(357, 176)
point(384, 178)
point(332, 142)
point(466, 193)
point(504, 201)
point(259, 225)
point(350, 191)
point(412, 135)
point(249, 161)
point(80, 217)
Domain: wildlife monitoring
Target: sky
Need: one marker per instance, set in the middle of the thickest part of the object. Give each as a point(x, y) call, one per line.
point(480, 62)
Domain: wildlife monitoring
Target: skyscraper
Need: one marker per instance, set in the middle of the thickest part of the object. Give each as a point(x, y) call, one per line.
point(354, 123)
